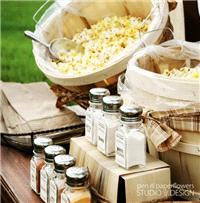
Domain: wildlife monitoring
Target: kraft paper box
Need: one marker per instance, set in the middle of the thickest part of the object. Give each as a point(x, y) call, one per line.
point(150, 183)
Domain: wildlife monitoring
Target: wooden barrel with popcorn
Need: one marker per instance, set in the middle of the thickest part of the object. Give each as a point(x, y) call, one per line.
point(165, 80)
point(78, 19)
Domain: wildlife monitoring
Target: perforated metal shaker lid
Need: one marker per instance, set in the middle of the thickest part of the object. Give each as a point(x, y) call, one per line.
point(52, 151)
point(77, 176)
point(40, 143)
point(96, 94)
point(62, 162)
point(131, 113)
point(112, 103)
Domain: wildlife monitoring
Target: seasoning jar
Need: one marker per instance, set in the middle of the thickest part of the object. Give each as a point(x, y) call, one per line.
point(77, 183)
point(37, 161)
point(47, 171)
point(108, 124)
point(93, 113)
point(57, 184)
point(130, 144)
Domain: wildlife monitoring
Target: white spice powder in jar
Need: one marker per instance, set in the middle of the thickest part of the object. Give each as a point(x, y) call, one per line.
point(93, 113)
point(108, 124)
point(130, 144)
point(47, 171)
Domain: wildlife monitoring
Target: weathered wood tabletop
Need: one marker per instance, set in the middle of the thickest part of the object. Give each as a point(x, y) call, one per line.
point(15, 184)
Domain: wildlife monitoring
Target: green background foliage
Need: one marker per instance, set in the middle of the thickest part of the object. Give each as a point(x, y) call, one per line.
point(17, 60)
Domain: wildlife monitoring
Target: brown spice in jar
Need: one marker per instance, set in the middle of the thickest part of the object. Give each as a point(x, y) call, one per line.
point(39, 166)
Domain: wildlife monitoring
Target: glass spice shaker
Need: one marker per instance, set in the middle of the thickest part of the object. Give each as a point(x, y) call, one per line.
point(47, 171)
point(37, 161)
point(77, 183)
point(93, 113)
point(108, 124)
point(130, 143)
point(57, 183)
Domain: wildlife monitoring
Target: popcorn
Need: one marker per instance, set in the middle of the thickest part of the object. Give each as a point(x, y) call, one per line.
point(185, 72)
point(102, 42)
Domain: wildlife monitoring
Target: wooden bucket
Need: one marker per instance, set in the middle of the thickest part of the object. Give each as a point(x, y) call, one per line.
point(184, 161)
point(58, 22)
point(145, 70)
point(159, 93)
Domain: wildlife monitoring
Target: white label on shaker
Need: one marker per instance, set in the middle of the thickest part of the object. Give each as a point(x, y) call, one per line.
point(33, 176)
point(101, 133)
point(64, 198)
point(88, 126)
point(120, 149)
point(53, 195)
point(43, 185)
point(95, 124)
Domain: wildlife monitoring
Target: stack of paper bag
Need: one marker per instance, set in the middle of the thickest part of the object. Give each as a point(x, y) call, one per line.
point(27, 108)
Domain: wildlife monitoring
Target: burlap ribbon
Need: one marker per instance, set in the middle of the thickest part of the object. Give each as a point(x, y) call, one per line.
point(162, 125)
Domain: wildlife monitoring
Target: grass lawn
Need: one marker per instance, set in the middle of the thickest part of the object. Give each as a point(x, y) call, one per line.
point(17, 60)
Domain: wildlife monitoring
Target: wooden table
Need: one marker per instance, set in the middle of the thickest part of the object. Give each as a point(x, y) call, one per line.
point(15, 177)
point(15, 184)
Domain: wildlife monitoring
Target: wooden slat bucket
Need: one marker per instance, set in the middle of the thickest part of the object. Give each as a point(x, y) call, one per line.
point(172, 109)
point(184, 161)
point(74, 16)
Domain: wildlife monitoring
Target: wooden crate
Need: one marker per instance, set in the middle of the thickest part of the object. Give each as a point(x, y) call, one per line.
point(115, 184)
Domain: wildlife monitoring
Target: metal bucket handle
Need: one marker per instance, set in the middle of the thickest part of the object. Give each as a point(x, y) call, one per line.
point(36, 14)
point(156, 6)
